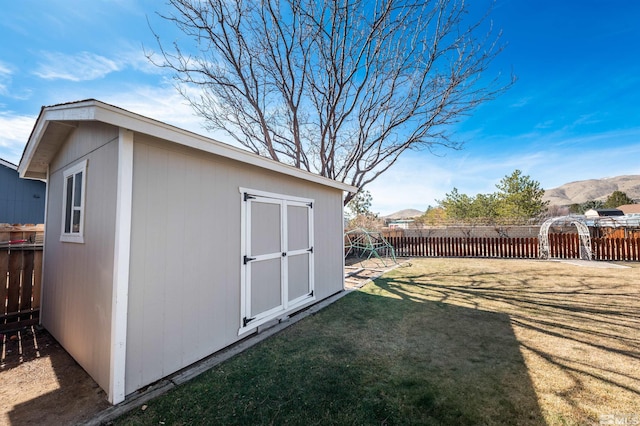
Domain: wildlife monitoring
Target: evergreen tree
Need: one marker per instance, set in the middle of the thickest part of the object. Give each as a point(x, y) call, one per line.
point(456, 205)
point(592, 204)
point(520, 197)
point(617, 198)
point(360, 205)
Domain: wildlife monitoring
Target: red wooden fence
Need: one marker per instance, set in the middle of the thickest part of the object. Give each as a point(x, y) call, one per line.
point(562, 246)
point(20, 275)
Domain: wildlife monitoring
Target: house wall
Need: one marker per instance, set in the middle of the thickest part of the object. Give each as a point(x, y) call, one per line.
point(184, 289)
point(21, 200)
point(78, 278)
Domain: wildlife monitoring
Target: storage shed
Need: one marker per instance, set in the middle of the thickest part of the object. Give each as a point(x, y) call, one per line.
point(163, 246)
point(591, 213)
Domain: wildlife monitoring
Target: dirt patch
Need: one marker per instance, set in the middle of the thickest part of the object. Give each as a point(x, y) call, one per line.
point(41, 384)
point(358, 271)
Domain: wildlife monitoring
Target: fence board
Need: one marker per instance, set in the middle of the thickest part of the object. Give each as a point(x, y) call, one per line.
point(562, 246)
point(619, 249)
point(26, 290)
point(13, 294)
point(20, 275)
point(602, 250)
point(4, 273)
point(37, 279)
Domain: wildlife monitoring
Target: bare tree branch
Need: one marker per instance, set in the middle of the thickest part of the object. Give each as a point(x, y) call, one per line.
point(337, 87)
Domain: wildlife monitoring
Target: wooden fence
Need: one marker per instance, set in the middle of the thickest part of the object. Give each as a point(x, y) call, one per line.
point(562, 246)
point(20, 275)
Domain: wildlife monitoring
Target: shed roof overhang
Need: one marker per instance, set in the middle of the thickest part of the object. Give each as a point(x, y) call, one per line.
point(55, 123)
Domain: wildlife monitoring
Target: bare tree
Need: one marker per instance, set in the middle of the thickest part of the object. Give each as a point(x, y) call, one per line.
point(340, 88)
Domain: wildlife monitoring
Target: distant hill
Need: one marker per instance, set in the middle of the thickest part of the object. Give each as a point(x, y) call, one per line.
point(593, 189)
point(404, 214)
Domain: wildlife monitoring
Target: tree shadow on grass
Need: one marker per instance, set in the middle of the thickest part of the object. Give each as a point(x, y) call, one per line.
point(579, 336)
point(469, 359)
point(366, 359)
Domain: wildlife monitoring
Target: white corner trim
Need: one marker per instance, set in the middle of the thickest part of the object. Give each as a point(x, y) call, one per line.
point(121, 258)
point(44, 249)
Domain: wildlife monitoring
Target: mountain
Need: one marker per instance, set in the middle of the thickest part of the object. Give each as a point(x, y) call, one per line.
point(404, 214)
point(593, 189)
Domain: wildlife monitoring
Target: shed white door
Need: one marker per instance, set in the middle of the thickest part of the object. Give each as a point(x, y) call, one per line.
point(278, 259)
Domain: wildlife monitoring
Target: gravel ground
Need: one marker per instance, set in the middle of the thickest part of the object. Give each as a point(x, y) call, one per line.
point(41, 384)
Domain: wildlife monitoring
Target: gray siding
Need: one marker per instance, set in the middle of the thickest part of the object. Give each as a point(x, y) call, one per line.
point(21, 200)
point(184, 290)
point(78, 278)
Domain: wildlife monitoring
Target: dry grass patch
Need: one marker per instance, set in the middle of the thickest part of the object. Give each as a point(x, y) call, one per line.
point(439, 342)
point(577, 327)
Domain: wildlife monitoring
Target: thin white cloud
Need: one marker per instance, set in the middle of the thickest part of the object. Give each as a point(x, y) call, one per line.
point(521, 102)
point(83, 66)
point(162, 103)
point(418, 181)
point(133, 56)
point(5, 78)
point(7, 88)
point(15, 132)
point(413, 182)
point(4, 69)
point(87, 66)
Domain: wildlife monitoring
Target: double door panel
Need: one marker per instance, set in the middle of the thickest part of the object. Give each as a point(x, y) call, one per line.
point(279, 264)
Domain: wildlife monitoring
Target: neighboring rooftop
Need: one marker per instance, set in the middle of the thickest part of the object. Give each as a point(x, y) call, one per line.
point(404, 214)
point(8, 164)
point(630, 208)
point(603, 212)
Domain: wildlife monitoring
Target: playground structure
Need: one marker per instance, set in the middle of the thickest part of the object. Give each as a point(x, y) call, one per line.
point(364, 243)
point(572, 220)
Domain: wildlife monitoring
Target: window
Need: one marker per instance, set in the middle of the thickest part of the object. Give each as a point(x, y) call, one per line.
point(73, 203)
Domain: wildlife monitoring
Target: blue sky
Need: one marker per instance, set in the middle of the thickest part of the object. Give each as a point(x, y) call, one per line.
point(573, 114)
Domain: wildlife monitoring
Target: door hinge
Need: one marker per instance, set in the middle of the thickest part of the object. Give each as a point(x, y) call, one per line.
point(284, 254)
point(247, 259)
point(310, 250)
point(311, 294)
point(310, 204)
point(246, 321)
point(247, 196)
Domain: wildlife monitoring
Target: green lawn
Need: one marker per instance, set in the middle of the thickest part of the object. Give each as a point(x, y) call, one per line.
point(443, 341)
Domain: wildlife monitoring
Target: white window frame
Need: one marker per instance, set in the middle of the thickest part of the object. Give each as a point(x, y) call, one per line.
point(73, 171)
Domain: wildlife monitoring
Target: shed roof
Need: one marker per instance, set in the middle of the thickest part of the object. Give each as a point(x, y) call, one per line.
point(56, 122)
